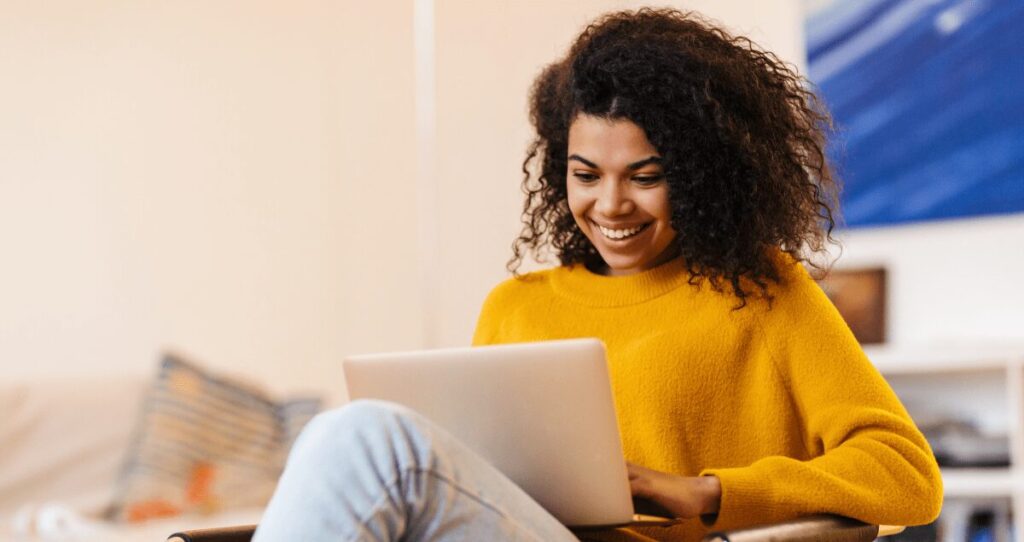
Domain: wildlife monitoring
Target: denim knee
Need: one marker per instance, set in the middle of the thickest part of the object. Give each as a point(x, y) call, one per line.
point(359, 419)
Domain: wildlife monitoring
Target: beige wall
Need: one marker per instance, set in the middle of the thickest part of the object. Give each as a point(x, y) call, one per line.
point(238, 180)
point(487, 56)
point(230, 178)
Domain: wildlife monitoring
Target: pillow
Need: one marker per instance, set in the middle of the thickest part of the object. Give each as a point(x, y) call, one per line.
point(204, 443)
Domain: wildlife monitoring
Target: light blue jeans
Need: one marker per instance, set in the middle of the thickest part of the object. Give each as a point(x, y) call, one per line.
point(373, 470)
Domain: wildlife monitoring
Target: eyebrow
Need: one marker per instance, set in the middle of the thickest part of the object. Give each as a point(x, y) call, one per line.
point(632, 167)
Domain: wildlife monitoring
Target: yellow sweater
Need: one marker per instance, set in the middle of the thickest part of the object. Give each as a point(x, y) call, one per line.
point(779, 403)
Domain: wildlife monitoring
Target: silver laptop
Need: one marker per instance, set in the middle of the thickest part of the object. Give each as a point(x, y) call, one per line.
point(542, 413)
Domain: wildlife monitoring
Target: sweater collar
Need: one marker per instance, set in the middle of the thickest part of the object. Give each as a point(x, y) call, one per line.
point(583, 286)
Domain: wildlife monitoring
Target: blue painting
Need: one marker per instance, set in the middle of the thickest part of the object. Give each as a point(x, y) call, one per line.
point(928, 99)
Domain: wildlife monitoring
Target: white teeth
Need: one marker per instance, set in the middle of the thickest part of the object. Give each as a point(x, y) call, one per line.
point(619, 234)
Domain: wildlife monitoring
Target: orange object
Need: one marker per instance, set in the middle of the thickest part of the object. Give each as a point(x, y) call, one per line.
point(200, 486)
point(157, 508)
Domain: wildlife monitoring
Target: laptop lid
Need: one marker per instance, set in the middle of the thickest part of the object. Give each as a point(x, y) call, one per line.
point(542, 413)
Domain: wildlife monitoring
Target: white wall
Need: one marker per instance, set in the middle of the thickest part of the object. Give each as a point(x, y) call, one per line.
point(231, 179)
point(951, 283)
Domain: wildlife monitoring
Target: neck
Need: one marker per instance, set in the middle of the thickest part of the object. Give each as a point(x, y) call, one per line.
point(666, 256)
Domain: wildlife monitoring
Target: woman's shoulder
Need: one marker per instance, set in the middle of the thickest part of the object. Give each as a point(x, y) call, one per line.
point(507, 298)
point(796, 289)
point(797, 297)
point(520, 287)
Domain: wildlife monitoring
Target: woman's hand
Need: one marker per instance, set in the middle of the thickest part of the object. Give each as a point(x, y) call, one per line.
point(684, 496)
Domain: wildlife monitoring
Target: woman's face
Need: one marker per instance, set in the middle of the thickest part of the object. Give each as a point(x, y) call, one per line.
point(618, 194)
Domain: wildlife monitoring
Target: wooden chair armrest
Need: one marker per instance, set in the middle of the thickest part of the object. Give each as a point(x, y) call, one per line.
point(238, 533)
point(809, 529)
point(889, 530)
point(815, 528)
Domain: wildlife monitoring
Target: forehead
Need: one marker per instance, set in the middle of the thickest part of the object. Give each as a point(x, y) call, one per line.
point(609, 142)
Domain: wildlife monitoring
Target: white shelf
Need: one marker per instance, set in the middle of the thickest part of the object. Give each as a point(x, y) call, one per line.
point(979, 482)
point(983, 383)
point(903, 360)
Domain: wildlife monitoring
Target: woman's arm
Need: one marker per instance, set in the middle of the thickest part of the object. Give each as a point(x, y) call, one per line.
point(865, 458)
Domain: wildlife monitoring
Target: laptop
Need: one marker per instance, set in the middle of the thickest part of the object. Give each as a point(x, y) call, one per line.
point(541, 412)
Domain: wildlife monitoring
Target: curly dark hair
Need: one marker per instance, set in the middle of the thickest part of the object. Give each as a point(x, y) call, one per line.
point(741, 137)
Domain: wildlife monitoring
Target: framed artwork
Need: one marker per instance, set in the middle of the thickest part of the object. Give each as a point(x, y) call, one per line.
point(926, 97)
point(860, 296)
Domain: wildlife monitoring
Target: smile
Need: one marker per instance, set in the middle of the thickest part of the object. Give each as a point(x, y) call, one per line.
point(618, 235)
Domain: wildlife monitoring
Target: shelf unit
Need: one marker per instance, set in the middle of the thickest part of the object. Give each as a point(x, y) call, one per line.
point(982, 383)
point(979, 483)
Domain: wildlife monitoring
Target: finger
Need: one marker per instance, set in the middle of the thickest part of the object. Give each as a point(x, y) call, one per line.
point(636, 470)
point(640, 487)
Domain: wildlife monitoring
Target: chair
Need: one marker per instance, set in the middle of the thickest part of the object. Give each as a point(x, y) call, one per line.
point(813, 528)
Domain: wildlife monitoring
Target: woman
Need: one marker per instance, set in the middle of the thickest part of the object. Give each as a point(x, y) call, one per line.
point(679, 176)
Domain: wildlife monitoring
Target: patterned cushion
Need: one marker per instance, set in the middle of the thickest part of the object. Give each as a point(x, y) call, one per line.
point(205, 443)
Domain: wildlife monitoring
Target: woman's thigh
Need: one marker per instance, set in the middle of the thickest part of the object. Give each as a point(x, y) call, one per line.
point(374, 470)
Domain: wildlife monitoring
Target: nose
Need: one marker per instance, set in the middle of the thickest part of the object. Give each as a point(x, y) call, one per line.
point(613, 199)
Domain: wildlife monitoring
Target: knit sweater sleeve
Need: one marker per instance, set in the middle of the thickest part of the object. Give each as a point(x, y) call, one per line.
point(868, 459)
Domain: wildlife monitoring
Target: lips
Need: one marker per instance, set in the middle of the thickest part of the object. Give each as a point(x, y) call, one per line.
point(620, 233)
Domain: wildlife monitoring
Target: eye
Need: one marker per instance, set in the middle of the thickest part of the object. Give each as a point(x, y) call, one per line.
point(648, 180)
point(585, 177)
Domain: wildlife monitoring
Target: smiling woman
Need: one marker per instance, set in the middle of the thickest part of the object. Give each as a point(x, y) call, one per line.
point(740, 142)
point(680, 180)
point(678, 174)
point(621, 205)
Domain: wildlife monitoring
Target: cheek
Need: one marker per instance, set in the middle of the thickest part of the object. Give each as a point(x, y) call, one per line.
point(666, 214)
point(658, 206)
point(665, 207)
point(576, 203)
